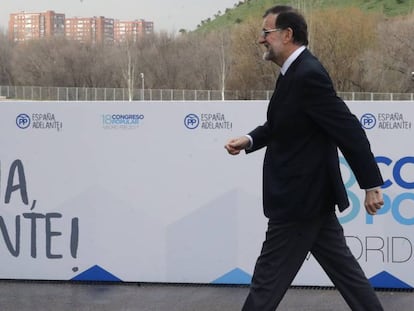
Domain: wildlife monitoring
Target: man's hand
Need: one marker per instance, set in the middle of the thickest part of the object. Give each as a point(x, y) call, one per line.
point(373, 200)
point(235, 145)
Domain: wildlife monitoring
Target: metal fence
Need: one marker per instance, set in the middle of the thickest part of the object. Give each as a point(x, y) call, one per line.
point(35, 93)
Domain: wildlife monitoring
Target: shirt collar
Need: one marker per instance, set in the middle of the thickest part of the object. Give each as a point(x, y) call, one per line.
point(291, 59)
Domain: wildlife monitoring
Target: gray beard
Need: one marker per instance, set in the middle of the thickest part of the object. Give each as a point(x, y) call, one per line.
point(267, 56)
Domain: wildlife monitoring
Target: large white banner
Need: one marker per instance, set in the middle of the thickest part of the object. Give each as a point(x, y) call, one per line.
point(145, 192)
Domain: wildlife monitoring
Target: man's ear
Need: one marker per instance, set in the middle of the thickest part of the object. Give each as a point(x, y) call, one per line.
point(288, 35)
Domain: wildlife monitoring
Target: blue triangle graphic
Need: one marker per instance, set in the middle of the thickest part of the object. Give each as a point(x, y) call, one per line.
point(386, 280)
point(96, 273)
point(235, 276)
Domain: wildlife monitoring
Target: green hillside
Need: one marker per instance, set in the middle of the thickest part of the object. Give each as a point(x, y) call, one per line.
point(255, 8)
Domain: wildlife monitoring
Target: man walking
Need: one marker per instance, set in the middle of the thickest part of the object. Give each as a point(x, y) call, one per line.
point(302, 183)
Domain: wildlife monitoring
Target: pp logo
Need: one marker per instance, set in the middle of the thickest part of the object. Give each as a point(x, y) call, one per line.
point(368, 121)
point(191, 121)
point(23, 121)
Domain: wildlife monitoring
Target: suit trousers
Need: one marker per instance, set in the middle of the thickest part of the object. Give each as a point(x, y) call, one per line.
point(284, 251)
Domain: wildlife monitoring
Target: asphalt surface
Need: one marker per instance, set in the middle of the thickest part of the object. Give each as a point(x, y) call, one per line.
point(65, 296)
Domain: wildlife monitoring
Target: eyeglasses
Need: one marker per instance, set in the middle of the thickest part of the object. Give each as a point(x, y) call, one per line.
point(265, 32)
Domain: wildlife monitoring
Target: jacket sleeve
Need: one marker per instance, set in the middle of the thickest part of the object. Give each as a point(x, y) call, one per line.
point(260, 136)
point(333, 116)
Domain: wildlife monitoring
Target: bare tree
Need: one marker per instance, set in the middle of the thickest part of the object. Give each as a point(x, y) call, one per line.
point(160, 57)
point(128, 65)
point(362, 51)
point(340, 38)
point(212, 59)
point(391, 63)
point(6, 51)
point(39, 62)
point(249, 71)
point(224, 57)
point(203, 61)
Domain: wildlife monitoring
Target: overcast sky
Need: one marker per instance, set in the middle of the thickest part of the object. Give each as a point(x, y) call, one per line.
point(169, 15)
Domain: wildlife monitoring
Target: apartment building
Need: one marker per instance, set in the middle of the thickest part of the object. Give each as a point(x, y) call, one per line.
point(27, 26)
point(96, 30)
point(131, 30)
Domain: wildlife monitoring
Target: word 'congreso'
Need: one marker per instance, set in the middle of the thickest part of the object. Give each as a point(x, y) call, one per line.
point(122, 119)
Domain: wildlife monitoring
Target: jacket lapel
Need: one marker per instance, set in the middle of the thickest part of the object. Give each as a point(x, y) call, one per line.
point(283, 83)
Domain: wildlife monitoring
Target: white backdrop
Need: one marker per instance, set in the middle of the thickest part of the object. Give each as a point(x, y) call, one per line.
point(145, 192)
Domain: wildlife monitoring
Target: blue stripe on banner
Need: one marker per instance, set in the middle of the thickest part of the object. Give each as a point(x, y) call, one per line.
point(235, 276)
point(96, 273)
point(387, 280)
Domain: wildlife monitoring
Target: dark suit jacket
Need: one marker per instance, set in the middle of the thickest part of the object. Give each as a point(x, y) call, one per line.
point(306, 122)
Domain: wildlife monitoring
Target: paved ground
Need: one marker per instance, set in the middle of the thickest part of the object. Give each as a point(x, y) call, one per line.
point(45, 296)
